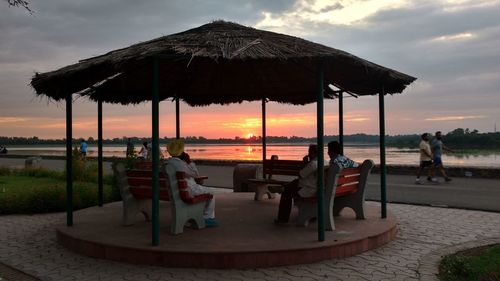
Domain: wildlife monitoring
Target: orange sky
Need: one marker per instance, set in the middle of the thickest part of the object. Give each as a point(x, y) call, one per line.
point(235, 120)
point(238, 120)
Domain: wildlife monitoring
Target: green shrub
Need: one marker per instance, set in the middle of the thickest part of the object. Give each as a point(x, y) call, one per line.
point(5, 171)
point(39, 190)
point(30, 195)
point(475, 264)
point(38, 173)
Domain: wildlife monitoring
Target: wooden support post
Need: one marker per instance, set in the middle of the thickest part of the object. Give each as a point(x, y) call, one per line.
point(99, 154)
point(177, 119)
point(341, 121)
point(155, 220)
point(264, 148)
point(320, 134)
point(69, 160)
point(383, 169)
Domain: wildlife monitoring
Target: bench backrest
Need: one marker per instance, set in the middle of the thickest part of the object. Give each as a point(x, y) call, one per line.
point(282, 167)
point(344, 181)
point(146, 165)
point(140, 183)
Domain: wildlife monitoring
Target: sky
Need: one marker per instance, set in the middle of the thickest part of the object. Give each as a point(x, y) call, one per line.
point(451, 46)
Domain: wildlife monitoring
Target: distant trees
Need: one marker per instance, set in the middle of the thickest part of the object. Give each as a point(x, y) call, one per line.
point(461, 138)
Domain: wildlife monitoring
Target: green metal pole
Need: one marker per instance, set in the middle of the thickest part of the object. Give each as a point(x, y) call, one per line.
point(69, 160)
point(156, 159)
point(341, 121)
point(321, 161)
point(99, 153)
point(263, 133)
point(383, 169)
point(177, 119)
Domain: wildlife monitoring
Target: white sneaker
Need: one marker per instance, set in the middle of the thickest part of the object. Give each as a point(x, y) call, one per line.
point(417, 181)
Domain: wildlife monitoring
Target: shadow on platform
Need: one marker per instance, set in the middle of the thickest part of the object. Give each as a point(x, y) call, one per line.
point(246, 237)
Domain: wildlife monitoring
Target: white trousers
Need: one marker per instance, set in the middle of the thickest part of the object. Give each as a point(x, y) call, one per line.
point(197, 189)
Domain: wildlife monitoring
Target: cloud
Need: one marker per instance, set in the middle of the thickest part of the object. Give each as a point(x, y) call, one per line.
point(452, 47)
point(460, 36)
point(8, 120)
point(454, 118)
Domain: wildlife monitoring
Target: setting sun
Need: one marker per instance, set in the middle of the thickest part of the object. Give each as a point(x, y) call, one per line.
point(249, 135)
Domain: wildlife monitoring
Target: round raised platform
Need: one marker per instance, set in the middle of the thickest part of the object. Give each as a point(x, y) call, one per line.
point(246, 237)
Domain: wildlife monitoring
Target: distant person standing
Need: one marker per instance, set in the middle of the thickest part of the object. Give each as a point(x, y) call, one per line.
point(437, 147)
point(130, 148)
point(143, 153)
point(83, 148)
point(149, 147)
point(425, 158)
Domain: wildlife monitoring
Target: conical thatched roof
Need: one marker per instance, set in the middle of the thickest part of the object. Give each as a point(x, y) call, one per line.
point(220, 62)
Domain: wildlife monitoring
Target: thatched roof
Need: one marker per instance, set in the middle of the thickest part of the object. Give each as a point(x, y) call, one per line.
point(220, 62)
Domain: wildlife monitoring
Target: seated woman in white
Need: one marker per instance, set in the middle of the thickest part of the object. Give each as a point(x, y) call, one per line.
point(179, 161)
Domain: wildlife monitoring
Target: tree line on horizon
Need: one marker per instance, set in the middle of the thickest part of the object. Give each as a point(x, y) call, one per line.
point(458, 138)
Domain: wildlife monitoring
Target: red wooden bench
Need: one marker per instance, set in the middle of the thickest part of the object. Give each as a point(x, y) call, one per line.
point(135, 189)
point(345, 187)
point(275, 167)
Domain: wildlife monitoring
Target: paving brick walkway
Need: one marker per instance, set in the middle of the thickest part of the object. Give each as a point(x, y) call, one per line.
point(28, 243)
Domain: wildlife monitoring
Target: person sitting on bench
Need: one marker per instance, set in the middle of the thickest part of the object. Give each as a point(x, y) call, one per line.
point(336, 156)
point(179, 161)
point(305, 186)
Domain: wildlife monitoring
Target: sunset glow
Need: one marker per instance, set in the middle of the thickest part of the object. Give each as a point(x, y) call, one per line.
point(249, 135)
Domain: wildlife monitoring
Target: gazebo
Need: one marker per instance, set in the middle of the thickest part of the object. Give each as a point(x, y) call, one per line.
point(222, 63)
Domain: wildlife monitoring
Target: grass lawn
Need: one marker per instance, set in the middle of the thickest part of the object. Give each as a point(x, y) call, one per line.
point(481, 263)
point(21, 194)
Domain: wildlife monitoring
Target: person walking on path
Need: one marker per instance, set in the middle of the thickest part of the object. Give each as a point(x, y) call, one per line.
point(83, 148)
point(425, 159)
point(437, 147)
point(305, 186)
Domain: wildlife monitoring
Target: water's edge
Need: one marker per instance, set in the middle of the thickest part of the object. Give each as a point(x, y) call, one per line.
point(452, 171)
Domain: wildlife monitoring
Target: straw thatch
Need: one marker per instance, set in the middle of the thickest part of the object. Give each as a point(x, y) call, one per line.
point(220, 62)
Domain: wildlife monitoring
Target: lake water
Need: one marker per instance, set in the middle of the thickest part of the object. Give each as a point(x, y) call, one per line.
point(284, 151)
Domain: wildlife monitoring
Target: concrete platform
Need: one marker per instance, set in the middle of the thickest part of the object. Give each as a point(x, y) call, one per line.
point(246, 237)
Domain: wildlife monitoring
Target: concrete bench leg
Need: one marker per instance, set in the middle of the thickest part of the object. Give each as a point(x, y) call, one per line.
point(261, 190)
point(353, 202)
point(132, 206)
point(187, 213)
point(308, 211)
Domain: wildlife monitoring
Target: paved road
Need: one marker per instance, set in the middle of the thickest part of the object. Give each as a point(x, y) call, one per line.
point(28, 243)
point(469, 193)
